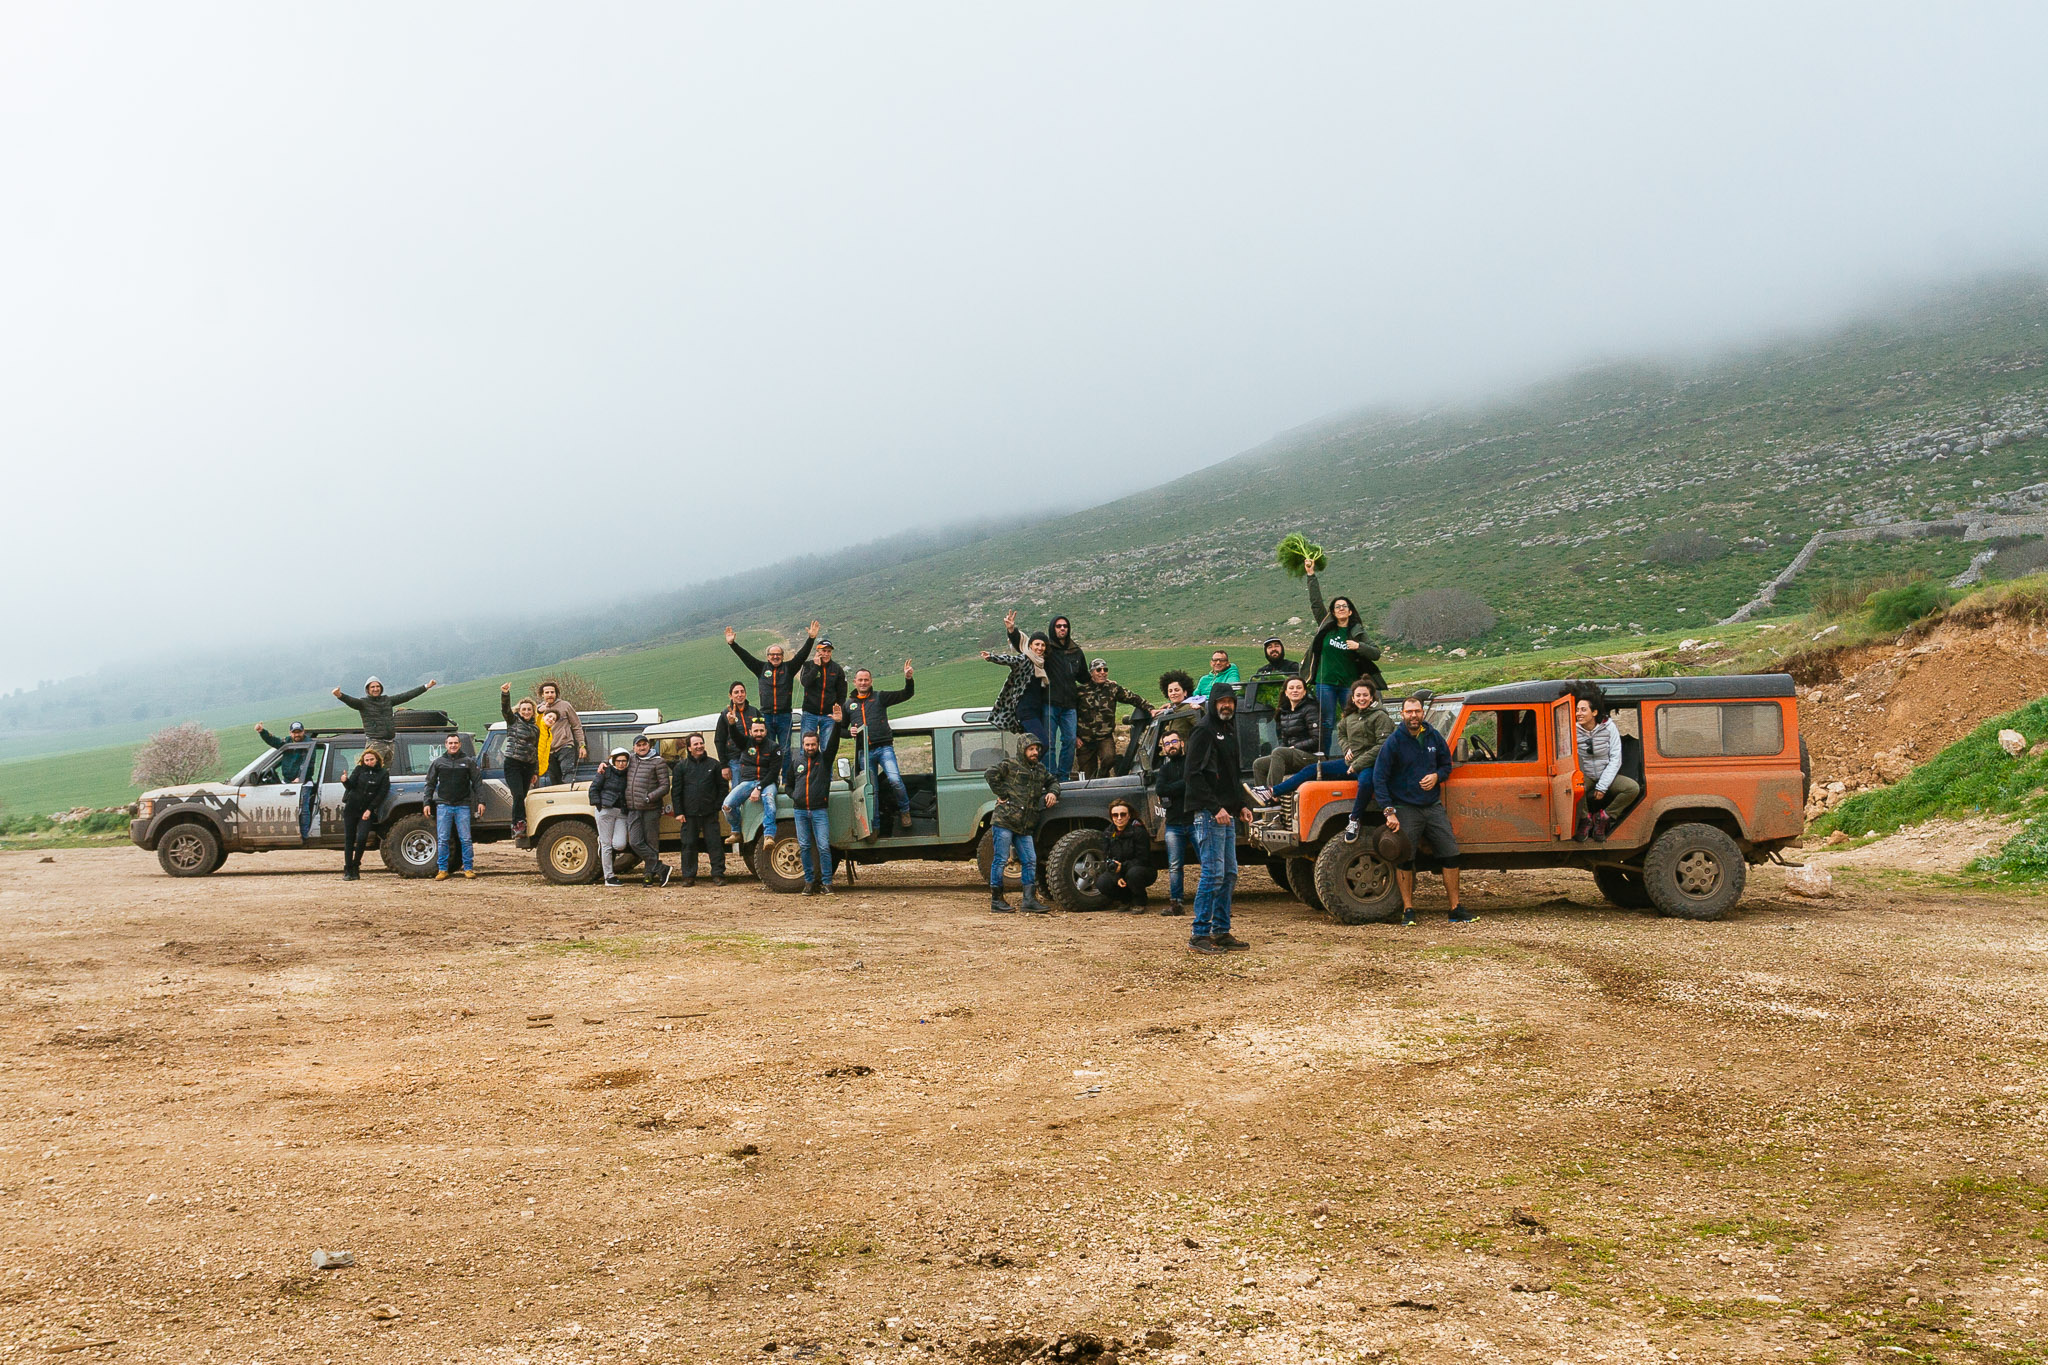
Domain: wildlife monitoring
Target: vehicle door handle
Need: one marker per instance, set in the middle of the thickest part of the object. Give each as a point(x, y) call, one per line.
point(287, 791)
point(1533, 796)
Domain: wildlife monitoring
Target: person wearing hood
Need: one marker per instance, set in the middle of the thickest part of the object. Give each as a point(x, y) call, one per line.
point(699, 787)
point(564, 727)
point(454, 798)
point(1021, 705)
point(1338, 654)
point(1276, 663)
point(1221, 670)
point(867, 716)
point(1100, 695)
point(1024, 792)
point(362, 796)
point(778, 679)
point(1066, 669)
point(608, 800)
point(734, 724)
point(523, 748)
point(647, 784)
point(755, 773)
point(1216, 801)
point(824, 692)
point(376, 708)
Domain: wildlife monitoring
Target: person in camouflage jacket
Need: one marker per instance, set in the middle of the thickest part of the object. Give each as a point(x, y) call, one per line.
point(1024, 792)
point(1099, 696)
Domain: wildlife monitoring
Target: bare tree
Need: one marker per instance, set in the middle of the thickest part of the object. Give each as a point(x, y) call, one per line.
point(1438, 616)
point(579, 691)
point(175, 756)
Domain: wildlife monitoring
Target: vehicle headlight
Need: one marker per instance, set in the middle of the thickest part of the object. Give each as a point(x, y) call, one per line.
point(145, 809)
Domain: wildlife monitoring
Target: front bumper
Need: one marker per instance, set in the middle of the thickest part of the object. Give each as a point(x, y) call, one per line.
point(138, 834)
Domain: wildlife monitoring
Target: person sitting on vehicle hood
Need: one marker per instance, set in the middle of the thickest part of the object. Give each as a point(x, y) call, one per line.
point(376, 708)
point(1297, 730)
point(755, 773)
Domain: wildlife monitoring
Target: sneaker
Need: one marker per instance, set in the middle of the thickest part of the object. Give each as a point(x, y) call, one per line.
point(519, 827)
point(613, 881)
point(824, 888)
point(442, 875)
point(1463, 916)
point(666, 873)
point(1206, 946)
point(1233, 943)
point(469, 872)
point(1407, 919)
point(687, 882)
point(1174, 908)
point(1350, 831)
point(1264, 795)
point(810, 888)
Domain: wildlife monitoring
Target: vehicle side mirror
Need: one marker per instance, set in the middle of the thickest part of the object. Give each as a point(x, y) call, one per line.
point(845, 767)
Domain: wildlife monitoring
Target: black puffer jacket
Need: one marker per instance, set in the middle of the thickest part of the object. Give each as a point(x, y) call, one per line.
point(608, 788)
point(1131, 851)
point(647, 781)
point(522, 736)
point(1066, 667)
point(454, 779)
point(365, 788)
point(699, 786)
point(1298, 725)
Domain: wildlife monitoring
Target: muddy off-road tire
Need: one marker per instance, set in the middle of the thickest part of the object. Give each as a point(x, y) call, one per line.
point(779, 863)
point(189, 849)
point(1623, 887)
point(1013, 872)
point(567, 853)
point(1301, 880)
point(1276, 868)
point(409, 847)
point(1074, 861)
point(1355, 885)
point(1694, 872)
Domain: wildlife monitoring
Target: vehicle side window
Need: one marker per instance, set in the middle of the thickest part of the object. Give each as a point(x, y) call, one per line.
point(269, 776)
point(1567, 734)
point(914, 755)
point(1498, 737)
point(976, 751)
point(342, 761)
point(1747, 729)
point(290, 763)
point(416, 752)
point(493, 756)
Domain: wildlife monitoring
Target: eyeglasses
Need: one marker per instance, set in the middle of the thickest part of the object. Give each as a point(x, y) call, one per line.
point(1119, 815)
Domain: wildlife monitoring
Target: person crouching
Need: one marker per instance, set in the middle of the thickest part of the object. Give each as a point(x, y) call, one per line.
point(1126, 861)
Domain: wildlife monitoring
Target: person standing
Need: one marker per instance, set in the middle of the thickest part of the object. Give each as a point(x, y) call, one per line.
point(523, 751)
point(811, 793)
point(376, 710)
point(734, 724)
point(755, 773)
point(1099, 697)
point(1337, 654)
point(647, 784)
point(1126, 861)
point(867, 713)
point(1024, 792)
point(454, 797)
point(1066, 668)
point(295, 733)
point(565, 735)
point(698, 787)
point(1216, 798)
point(362, 796)
point(1020, 706)
point(778, 678)
point(1221, 670)
point(608, 800)
point(824, 693)
point(1171, 782)
point(1408, 778)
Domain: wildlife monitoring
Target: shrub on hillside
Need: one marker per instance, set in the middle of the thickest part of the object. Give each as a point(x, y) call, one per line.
point(1690, 546)
point(579, 691)
point(1438, 616)
point(2017, 561)
point(1897, 608)
point(175, 756)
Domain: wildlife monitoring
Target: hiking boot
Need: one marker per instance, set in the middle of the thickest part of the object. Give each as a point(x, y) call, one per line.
point(1460, 915)
point(1233, 943)
point(718, 881)
point(1206, 946)
point(1584, 828)
point(613, 881)
point(1350, 831)
point(442, 875)
point(469, 872)
point(1174, 908)
point(998, 906)
point(1033, 905)
point(1407, 919)
point(1602, 823)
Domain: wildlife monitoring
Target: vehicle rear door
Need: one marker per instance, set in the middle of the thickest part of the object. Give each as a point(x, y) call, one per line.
point(268, 809)
point(341, 760)
point(1499, 792)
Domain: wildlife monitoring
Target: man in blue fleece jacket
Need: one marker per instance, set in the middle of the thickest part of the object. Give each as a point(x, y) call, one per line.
point(1408, 778)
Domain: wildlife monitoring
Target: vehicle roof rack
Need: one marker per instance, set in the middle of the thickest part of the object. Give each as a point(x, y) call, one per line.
point(357, 730)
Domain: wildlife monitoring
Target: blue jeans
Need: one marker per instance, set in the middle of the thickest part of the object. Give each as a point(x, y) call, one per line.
point(778, 730)
point(1216, 845)
point(1329, 706)
point(1061, 727)
point(740, 792)
point(1179, 839)
point(821, 726)
point(1329, 770)
point(453, 820)
point(814, 842)
point(882, 767)
point(1027, 856)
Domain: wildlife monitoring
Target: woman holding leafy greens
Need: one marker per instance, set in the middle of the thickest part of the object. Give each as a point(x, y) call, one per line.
point(1340, 653)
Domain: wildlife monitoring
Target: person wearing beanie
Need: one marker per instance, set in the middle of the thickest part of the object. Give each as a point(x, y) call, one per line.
point(376, 708)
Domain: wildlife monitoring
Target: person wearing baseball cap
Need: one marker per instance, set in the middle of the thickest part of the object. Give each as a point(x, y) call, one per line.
point(294, 733)
point(1097, 698)
point(824, 688)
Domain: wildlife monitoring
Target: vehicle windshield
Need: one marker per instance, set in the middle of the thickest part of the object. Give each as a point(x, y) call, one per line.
point(1440, 718)
point(249, 772)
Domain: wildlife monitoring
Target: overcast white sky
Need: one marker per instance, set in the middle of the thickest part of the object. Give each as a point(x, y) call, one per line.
point(320, 310)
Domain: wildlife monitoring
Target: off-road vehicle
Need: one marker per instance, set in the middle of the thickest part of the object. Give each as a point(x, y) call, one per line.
point(1724, 778)
point(192, 829)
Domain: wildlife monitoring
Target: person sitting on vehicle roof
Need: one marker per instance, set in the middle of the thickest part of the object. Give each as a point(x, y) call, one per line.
point(1609, 791)
point(867, 720)
point(1221, 670)
point(1298, 733)
point(1020, 706)
point(376, 708)
point(295, 733)
point(778, 677)
point(1099, 697)
point(1337, 653)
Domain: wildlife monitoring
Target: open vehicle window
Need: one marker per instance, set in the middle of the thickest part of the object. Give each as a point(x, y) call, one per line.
point(914, 755)
point(1498, 737)
point(291, 763)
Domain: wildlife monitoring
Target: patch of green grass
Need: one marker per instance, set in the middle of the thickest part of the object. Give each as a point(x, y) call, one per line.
point(608, 947)
point(1971, 777)
point(748, 945)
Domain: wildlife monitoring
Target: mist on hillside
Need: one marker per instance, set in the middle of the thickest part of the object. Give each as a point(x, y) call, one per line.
point(321, 325)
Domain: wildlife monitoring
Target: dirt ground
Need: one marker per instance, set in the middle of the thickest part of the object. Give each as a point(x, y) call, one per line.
point(561, 1125)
